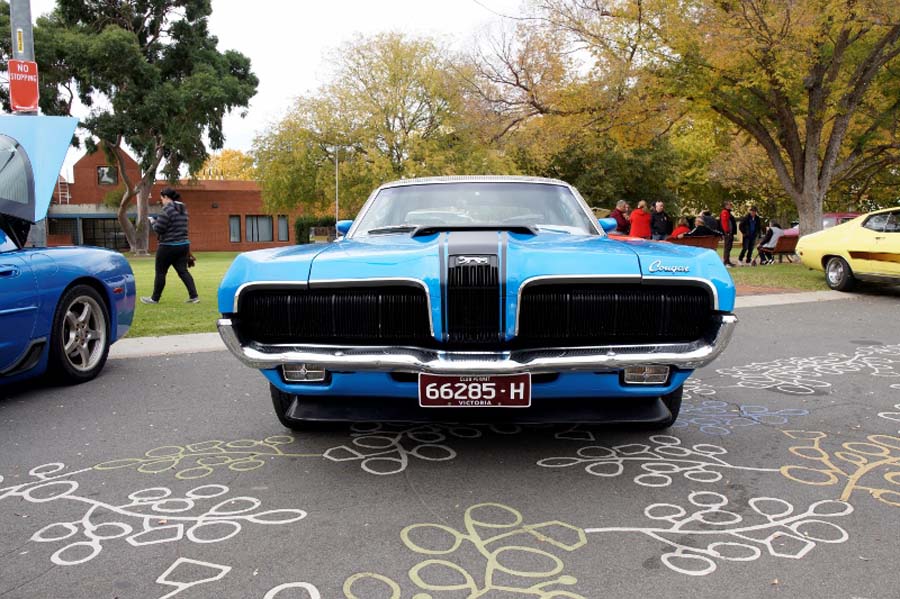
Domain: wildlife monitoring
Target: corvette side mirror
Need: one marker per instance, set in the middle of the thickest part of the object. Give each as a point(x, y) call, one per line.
point(343, 226)
point(608, 224)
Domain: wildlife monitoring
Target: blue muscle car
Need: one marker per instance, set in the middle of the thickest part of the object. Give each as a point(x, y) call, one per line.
point(472, 297)
point(60, 308)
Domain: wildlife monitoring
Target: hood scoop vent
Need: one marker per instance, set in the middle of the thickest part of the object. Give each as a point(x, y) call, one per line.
point(422, 230)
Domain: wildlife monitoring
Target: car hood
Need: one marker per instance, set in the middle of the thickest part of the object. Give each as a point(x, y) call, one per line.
point(522, 257)
point(33, 150)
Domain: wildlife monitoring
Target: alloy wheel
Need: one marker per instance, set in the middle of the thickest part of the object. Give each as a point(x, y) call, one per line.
point(84, 333)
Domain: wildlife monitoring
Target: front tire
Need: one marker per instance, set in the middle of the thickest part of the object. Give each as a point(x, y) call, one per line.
point(838, 274)
point(673, 402)
point(80, 339)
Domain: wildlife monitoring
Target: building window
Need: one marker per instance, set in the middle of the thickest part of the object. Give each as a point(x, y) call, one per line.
point(259, 228)
point(107, 175)
point(104, 232)
point(234, 229)
point(64, 229)
point(283, 228)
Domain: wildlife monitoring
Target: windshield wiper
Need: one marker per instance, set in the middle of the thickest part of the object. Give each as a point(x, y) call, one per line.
point(393, 229)
point(554, 229)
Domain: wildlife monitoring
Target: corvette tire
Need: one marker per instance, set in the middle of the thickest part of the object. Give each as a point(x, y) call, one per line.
point(80, 337)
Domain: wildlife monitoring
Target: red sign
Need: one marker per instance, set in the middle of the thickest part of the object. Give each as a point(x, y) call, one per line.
point(23, 85)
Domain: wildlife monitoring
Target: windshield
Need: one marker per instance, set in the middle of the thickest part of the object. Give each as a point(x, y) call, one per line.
point(476, 204)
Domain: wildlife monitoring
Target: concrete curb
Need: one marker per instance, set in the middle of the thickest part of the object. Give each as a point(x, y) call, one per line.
point(783, 299)
point(208, 342)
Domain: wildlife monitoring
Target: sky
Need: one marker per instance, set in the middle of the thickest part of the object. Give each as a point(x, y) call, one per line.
point(288, 41)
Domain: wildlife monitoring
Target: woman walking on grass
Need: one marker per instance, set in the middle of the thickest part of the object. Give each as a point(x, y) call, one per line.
point(174, 247)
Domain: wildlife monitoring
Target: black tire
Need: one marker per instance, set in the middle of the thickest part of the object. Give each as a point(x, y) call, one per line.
point(80, 337)
point(282, 401)
point(839, 275)
point(673, 402)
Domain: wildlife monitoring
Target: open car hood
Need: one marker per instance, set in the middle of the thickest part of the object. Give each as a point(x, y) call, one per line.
point(32, 151)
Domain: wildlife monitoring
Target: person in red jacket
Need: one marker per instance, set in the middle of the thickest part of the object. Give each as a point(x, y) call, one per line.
point(729, 225)
point(681, 227)
point(640, 221)
point(620, 213)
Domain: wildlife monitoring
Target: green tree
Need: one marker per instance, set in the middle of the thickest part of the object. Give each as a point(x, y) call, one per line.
point(813, 82)
point(154, 80)
point(232, 165)
point(395, 107)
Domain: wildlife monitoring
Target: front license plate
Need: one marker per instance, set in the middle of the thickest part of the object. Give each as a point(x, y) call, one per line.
point(482, 391)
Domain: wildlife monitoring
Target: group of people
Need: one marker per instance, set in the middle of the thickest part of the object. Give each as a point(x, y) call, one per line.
point(752, 235)
point(641, 222)
point(657, 225)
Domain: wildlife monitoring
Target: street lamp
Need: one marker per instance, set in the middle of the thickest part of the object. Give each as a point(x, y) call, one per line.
point(336, 182)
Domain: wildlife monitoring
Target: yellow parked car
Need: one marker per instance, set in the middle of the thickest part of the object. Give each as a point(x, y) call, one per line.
point(865, 248)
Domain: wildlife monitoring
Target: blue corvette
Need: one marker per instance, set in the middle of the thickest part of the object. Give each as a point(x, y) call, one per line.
point(472, 298)
point(60, 308)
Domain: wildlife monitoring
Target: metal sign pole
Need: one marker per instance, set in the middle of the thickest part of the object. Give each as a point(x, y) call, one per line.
point(20, 25)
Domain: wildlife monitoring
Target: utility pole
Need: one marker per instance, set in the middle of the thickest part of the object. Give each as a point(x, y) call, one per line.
point(23, 49)
point(20, 26)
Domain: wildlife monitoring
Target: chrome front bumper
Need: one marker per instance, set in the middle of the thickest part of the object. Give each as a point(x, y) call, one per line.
point(686, 356)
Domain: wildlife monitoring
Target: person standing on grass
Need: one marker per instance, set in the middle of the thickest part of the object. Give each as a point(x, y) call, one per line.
point(640, 221)
point(660, 223)
point(620, 214)
point(174, 247)
point(728, 227)
point(750, 230)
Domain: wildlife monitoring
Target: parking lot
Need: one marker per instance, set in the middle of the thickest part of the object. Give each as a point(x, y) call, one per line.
point(170, 476)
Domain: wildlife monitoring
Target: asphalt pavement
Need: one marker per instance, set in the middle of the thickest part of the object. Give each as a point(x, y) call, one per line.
point(169, 476)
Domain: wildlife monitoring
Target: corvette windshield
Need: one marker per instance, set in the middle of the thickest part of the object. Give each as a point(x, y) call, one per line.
point(476, 204)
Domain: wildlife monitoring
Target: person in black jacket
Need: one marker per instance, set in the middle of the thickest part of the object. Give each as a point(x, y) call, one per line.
point(750, 227)
point(660, 223)
point(701, 229)
point(174, 247)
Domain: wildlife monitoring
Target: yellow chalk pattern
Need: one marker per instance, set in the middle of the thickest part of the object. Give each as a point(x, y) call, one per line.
point(497, 533)
point(198, 460)
point(872, 466)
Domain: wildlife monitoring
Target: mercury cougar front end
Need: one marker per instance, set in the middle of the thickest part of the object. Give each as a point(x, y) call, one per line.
point(472, 298)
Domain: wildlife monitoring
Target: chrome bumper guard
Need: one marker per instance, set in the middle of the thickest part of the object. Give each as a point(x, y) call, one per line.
point(413, 359)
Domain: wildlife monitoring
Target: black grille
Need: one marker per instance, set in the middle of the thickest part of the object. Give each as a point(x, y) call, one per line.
point(579, 314)
point(363, 316)
point(473, 302)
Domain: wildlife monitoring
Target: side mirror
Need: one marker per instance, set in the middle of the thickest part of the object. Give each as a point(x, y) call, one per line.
point(343, 226)
point(608, 224)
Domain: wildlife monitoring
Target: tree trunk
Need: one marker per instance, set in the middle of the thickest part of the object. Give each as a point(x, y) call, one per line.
point(142, 234)
point(809, 206)
point(137, 233)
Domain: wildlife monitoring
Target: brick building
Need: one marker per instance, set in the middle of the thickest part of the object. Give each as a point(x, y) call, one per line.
point(224, 215)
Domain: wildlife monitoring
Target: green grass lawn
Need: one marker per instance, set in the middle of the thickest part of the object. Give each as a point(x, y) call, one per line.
point(785, 276)
point(172, 316)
